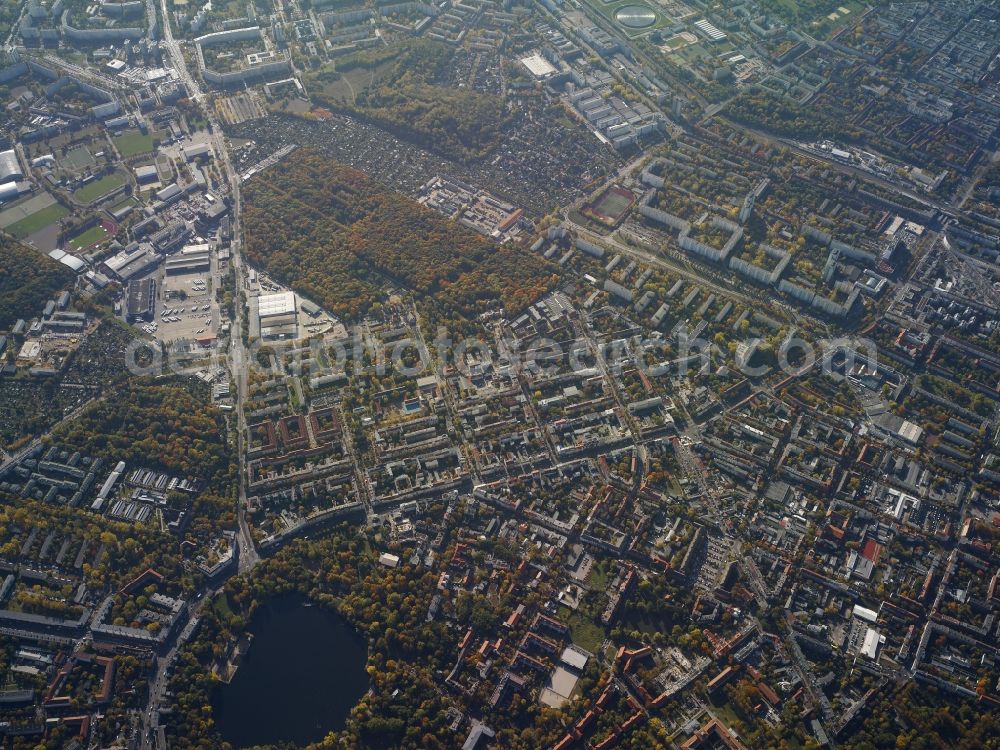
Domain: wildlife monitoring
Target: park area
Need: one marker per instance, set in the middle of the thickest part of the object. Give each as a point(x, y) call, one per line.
point(354, 74)
point(821, 18)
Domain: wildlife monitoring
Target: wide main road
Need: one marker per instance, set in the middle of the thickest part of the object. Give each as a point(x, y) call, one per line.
point(238, 356)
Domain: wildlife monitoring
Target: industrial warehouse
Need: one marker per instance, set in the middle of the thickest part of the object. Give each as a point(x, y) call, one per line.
point(276, 316)
point(141, 300)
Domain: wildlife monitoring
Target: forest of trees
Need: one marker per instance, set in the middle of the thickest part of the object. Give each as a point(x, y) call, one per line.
point(920, 717)
point(340, 238)
point(458, 123)
point(27, 279)
point(762, 109)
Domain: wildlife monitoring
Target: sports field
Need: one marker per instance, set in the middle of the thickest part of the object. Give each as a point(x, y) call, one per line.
point(609, 8)
point(37, 221)
point(31, 215)
point(130, 201)
point(133, 143)
point(78, 158)
point(611, 206)
point(94, 190)
point(91, 237)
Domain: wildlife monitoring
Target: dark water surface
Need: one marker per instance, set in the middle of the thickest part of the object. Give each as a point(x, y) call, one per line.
point(299, 680)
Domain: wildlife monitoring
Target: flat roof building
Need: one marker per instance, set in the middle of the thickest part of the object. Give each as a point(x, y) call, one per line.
point(281, 303)
point(196, 151)
point(574, 658)
point(170, 193)
point(872, 643)
point(191, 259)
point(389, 560)
point(709, 29)
point(140, 300)
point(73, 262)
point(278, 316)
point(147, 173)
point(65, 322)
point(132, 262)
point(213, 212)
point(538, 66)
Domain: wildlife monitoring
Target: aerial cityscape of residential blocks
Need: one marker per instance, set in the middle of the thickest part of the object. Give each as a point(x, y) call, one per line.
point(521, 374)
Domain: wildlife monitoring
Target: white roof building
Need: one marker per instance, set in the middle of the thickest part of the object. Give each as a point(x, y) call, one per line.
point(282, 303)
point(9, 191)
point(873, 641)
point(276, 315)
point(10, 167)
point(709, 29)
point(910, 432)
point(73, 262)
point(538, 66)
point(864, 613)
point(574, 658)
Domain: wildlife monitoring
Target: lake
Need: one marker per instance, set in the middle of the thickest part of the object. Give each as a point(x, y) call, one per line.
point(303, 674)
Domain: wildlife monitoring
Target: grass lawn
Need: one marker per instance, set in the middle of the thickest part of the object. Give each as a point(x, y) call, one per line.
point(94, 190)
point(221, 605)
point(675, 42)
point(827, 25)
point(726, 713)
point(586, 633)
point(597, 580)
point(78, 158)
point(346, 85)
point(37, 221)
point(93, 235)
point(130, 201)
point(814, 16)
point(690, 53)
point(133, 143)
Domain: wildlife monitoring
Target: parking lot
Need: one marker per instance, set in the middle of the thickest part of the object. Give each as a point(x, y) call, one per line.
point(185, 308)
